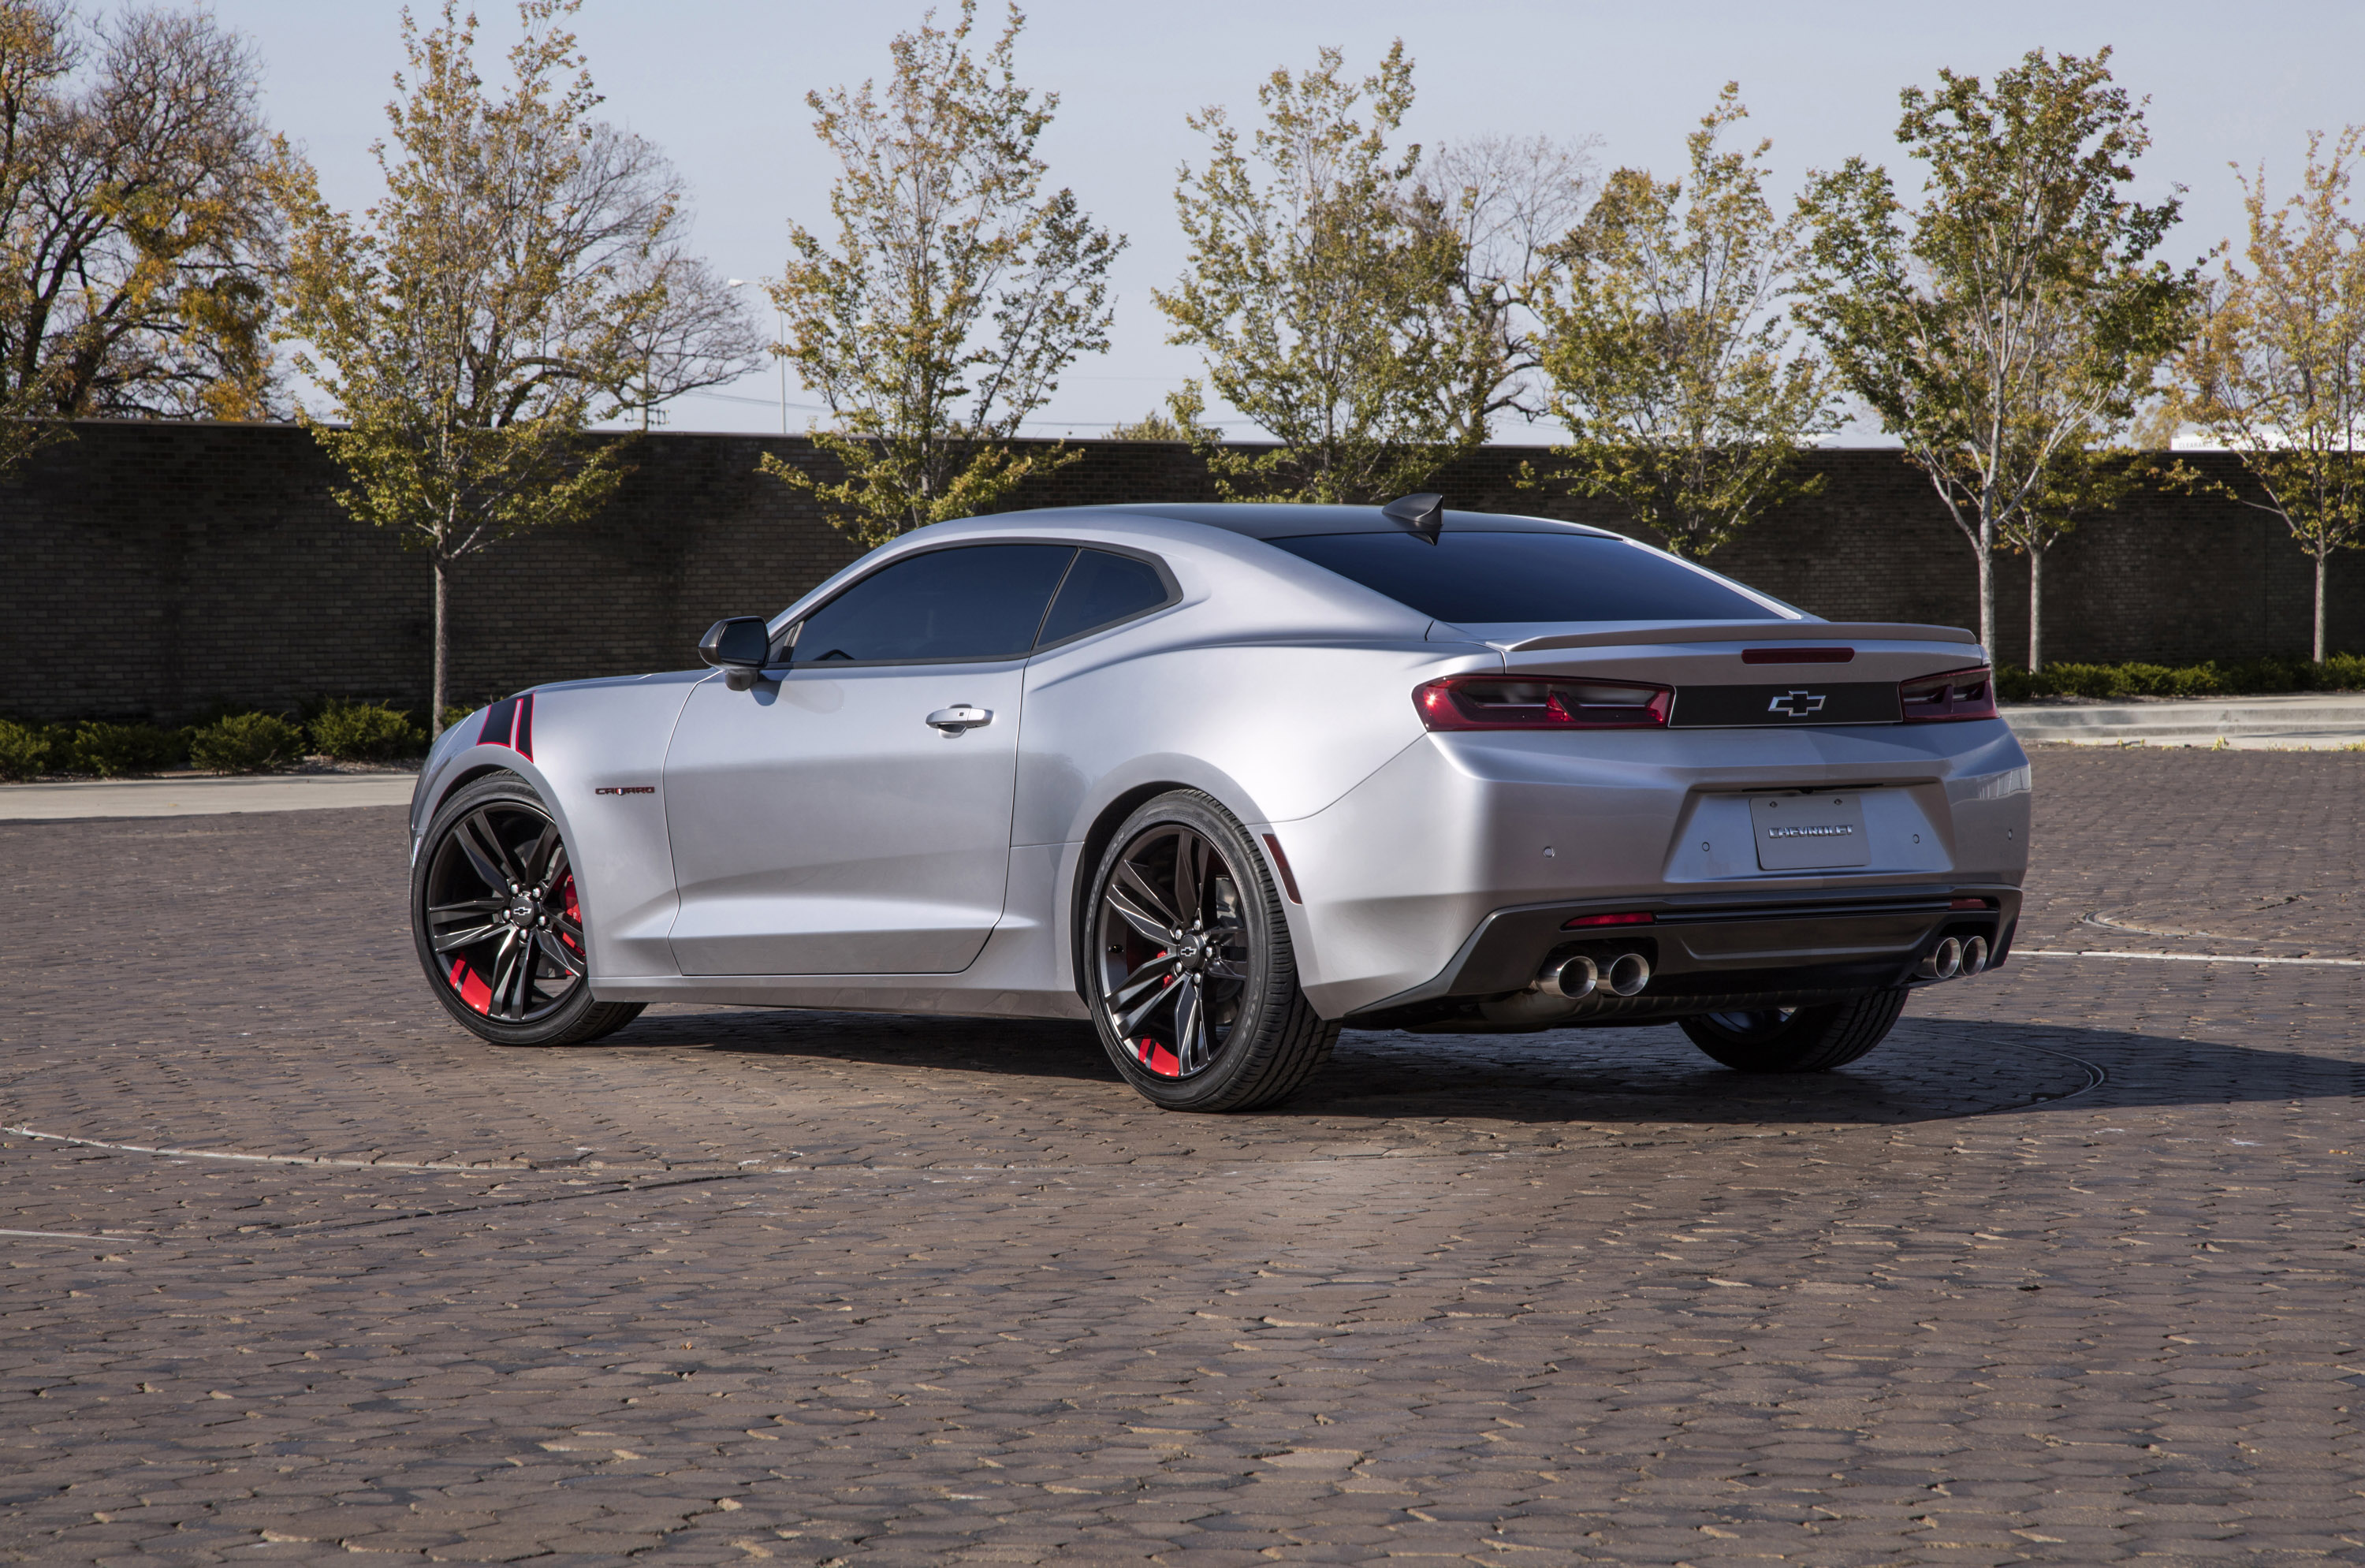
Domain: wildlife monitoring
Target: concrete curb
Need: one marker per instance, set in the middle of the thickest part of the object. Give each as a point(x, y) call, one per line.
point(201, 797)
point(2308, 721)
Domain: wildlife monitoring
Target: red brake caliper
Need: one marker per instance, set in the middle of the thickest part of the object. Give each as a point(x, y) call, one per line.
point(1152, 1054)
point(573, 915)
point(474, 989)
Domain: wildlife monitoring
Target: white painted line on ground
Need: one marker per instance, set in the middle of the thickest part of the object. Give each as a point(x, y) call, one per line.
point(74, 1236)
point(2182, 957)
point(287, 1159)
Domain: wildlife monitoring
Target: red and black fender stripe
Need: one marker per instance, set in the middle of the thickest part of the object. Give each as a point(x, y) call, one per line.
point(509, 722)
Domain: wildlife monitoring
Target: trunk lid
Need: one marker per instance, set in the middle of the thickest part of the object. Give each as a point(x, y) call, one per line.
point(1777, 674)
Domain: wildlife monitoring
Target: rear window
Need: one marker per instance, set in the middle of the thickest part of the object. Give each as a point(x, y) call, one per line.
point(1477, 577)
point(1101, 589)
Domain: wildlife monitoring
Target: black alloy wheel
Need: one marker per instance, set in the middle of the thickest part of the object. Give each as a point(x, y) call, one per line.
point(498, 919)
point(1798, 1039)
point(1193, 983)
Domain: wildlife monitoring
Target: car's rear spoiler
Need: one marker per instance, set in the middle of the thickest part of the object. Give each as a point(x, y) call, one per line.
point(1745, 632)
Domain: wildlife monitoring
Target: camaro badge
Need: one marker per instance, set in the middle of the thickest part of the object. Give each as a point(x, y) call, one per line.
point(1796, 704)
point(625, 790)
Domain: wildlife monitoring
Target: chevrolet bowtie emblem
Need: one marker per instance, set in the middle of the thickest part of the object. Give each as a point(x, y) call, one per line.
point(1796, 704)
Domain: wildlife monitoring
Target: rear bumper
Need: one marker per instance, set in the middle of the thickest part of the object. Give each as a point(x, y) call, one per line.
point(1713, 952)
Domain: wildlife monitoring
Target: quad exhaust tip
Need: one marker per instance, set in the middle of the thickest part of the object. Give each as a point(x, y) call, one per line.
point(1975, 956)
point(1578, 976)
point(1572, 978)
point(1946, 960)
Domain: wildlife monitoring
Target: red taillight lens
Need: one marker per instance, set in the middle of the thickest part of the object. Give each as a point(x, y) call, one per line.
point(1641, 918)
point(1958, 694)
point(1500, 702)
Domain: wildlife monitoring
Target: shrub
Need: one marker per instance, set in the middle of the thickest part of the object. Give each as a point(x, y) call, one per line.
point(2250, 678)
point(366, 732)
point(24, 750)
point(112, 750)
point(2342, 672)
point(246, 743)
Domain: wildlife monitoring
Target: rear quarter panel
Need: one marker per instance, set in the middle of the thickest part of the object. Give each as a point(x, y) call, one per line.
point(1272, 684)
point(1400, 870)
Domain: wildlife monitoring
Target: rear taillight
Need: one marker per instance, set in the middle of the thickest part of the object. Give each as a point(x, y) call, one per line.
point(1958, 694)
point(1503, 702)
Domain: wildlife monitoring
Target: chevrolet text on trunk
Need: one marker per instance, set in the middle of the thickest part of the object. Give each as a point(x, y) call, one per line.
point(1222, 778)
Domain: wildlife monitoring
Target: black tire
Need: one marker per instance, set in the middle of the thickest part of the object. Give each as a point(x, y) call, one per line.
point(1800, 1039)
point(1188, 968)
point(497, 925)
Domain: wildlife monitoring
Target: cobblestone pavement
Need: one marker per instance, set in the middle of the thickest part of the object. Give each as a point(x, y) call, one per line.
point(739, 1286)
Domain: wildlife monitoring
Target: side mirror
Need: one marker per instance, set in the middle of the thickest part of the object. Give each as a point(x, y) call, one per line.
point(739, 645)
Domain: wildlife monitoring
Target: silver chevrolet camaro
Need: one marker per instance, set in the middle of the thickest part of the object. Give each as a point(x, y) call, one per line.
point(1222, 778)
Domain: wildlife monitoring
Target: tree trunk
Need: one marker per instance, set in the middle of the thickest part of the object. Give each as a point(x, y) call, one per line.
point(2323, 559)
point(443, 644)
point(1987, 590)
point(2036, 610)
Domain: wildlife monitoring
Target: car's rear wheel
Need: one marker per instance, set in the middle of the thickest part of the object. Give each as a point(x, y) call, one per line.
point(498, 924)
point(1189, 971)
point(1798, 1039)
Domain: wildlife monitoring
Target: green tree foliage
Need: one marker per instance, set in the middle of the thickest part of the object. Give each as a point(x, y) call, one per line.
point(1322, 295)
point(957, 293)
point(1666, 351)
point(1183, 419)
point(2277, 373)
point(136, 229)
point(2017, 310)
point(504, 294)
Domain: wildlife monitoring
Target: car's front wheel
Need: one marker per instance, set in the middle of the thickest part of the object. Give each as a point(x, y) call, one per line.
point(1798, 1039)
point(1189, 971)
point(498, 924)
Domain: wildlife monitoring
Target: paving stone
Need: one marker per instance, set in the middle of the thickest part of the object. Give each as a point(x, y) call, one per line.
point(975, 1302)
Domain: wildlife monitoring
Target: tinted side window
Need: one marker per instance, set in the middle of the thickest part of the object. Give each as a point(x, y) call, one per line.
point(1102, 588)
point(979, 601)
point(1478, 577)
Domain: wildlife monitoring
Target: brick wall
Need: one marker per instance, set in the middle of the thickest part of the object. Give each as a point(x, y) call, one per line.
point(154, 569)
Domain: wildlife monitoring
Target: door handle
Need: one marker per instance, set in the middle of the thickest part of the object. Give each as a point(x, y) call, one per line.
point(960, 718)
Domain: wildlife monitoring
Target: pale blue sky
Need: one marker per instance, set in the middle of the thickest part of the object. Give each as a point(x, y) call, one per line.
point(721, 83)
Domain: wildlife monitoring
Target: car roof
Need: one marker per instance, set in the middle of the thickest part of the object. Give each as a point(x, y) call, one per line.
point(1268, 520)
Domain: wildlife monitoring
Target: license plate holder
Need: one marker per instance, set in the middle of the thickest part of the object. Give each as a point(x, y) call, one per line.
point(1796, 832)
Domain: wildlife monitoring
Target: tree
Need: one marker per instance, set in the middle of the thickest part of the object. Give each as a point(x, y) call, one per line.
point(1946, 325)
point(504, 294)
point(2277, 373)
point(2085, 476)
point(1183, 419)
point(136, 229)
point(956, 295)
point(1508, 201)
point(1322, 299)
point(693, 331)
point(1666, 352)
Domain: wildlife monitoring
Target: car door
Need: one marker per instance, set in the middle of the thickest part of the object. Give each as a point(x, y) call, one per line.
point(850, 814)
